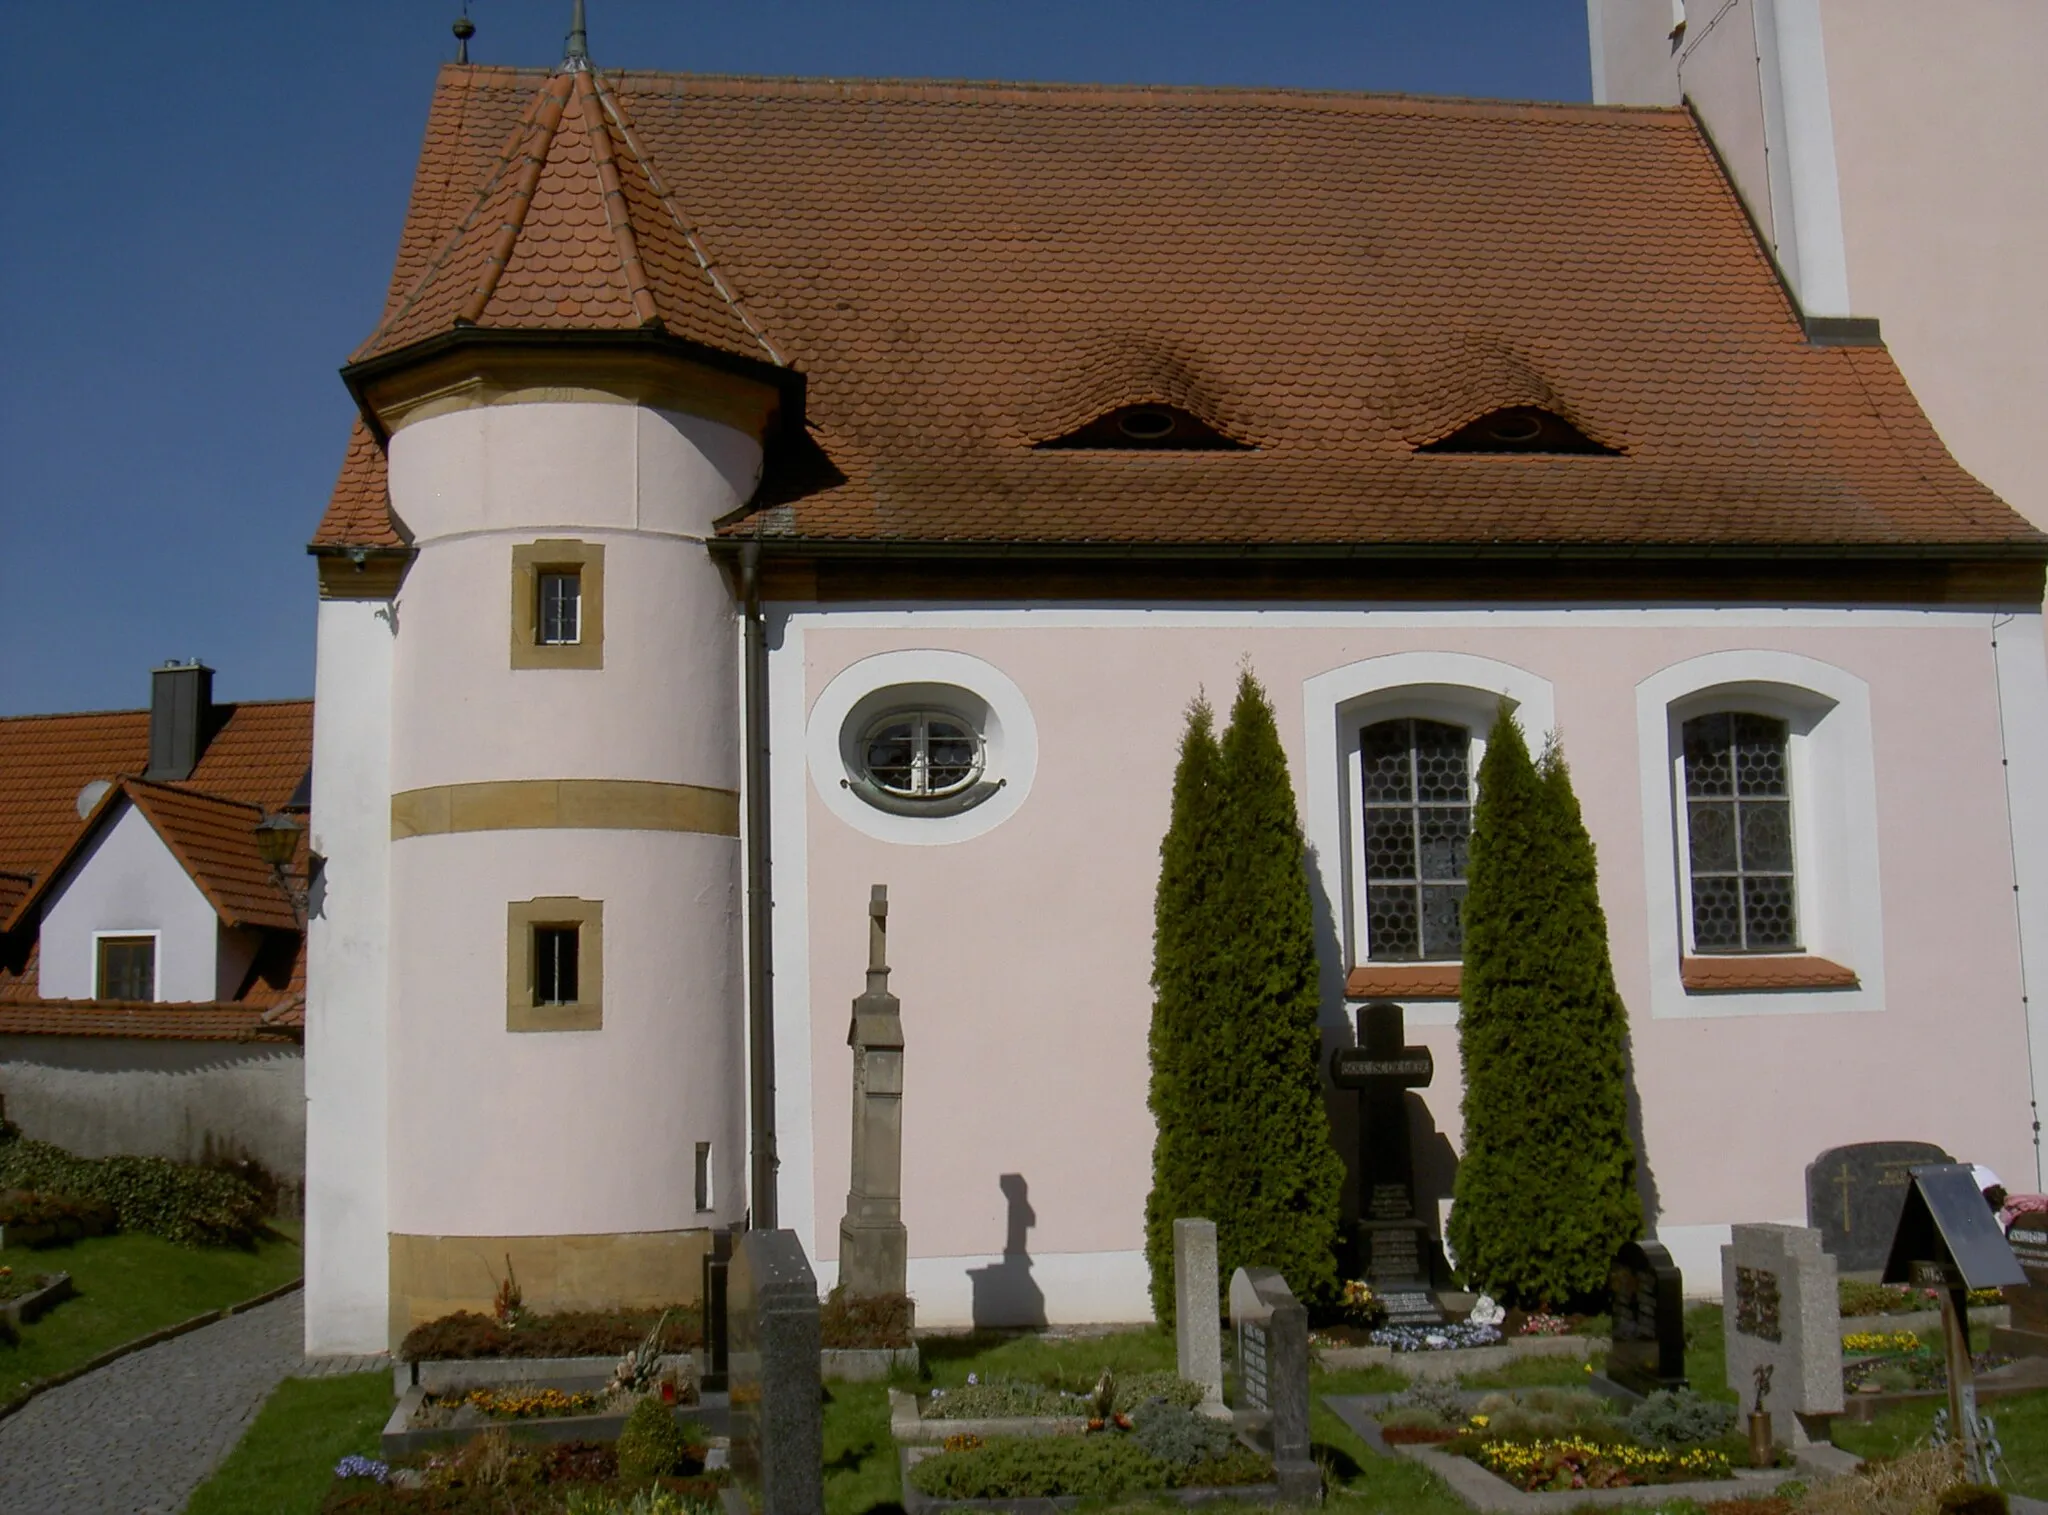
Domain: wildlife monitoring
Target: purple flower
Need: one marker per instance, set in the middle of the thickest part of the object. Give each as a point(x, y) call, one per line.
point(353, 1466)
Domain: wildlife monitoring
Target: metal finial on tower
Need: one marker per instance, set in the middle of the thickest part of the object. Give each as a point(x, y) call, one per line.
point(577, 55)
point(464, 29)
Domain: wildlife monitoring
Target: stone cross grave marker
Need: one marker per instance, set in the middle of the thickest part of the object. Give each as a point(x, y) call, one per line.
point(1271, 1330)
point(1648, 1309)
point(874, 1247)
point(1197, 1334)
point(1854, 1195)
point(1394, 1247)
point(1780, 1310)
point(778, 1394)
point(2027, 1336)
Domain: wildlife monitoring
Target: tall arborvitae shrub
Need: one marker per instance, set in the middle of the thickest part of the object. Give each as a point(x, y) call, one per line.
point(1242, 1135)
point(1278, 1175)
point(1545, 1192)
point(1182, 935)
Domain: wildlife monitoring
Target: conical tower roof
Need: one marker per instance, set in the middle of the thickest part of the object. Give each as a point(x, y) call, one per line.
point(572, 228)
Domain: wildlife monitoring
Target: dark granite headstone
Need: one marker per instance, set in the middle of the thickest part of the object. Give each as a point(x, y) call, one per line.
point(1271, 1330)
point(2027, 1336)
point(1647, 1304)
point(1395, 1249)
point(1854, 1195)
point(778, 1434)
point(716, 1263)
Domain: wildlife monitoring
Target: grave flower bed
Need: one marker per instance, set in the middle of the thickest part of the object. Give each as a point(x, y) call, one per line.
point(1446, 1338)
point(1859, 1299)
point(512, 1402)
point(492, 1474)
point(1165, 1447)
point(1008, 1399)
point(466, 1335)
point(1579, 1463)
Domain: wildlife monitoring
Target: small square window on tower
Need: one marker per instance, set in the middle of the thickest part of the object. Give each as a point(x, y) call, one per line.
point(560, 614)
point(558, 605)
point(554, 965)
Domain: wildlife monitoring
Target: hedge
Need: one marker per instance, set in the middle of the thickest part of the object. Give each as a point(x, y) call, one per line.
point(195, 1207)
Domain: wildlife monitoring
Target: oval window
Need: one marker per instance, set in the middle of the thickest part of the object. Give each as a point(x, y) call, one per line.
point(921, 754)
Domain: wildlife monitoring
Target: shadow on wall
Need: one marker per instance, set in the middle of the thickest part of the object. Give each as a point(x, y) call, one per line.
point(1005, 1293)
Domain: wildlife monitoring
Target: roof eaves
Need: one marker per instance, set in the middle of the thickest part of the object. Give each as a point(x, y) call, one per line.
point(147, 798)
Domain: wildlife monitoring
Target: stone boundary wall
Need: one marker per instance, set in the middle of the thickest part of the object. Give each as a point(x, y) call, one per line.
point(193, 1102)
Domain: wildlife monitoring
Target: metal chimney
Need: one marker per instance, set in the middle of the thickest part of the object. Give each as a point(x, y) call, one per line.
point(180, 718)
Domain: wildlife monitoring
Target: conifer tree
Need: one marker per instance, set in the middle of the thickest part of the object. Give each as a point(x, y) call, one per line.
point(1242, 1137)
point(1276, 1168)
point(1181, 937)
point(1545, 1192)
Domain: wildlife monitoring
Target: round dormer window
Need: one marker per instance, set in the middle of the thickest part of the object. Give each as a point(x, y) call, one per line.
point(921, 754)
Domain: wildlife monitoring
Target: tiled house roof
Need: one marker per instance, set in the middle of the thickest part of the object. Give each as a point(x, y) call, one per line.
point(256, 760)
point(964, 271)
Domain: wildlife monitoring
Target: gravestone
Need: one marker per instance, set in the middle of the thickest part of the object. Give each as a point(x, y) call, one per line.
point(874, 1248)
point(1394, 1244)
point(1780, 1310)
point(778, 1435)
point(1647, 1305)
point(1854, 1194)
point(1197, 1334)
point(2027, 1336)
point(1271, 1331)
point(717, 1262)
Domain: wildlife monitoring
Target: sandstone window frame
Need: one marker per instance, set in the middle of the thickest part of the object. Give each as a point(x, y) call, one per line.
point(524, 920)
point(557, 555)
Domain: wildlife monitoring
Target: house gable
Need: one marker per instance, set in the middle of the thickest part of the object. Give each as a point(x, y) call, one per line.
point(125, 880)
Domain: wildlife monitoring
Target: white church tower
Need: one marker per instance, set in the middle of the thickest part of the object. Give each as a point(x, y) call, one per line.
point(528, 1009)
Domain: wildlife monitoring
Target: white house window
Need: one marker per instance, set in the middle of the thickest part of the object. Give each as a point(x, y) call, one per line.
point(126, 969)
point(1738, 802)
point(555, 954)
point(921, 754)
point(1417, 807)
point(558, 621)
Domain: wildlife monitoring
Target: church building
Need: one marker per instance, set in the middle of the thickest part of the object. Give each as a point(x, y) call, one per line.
point(766, 489)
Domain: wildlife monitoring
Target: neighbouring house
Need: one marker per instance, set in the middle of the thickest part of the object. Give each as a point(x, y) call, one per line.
point(765, 489)
point(152, 972)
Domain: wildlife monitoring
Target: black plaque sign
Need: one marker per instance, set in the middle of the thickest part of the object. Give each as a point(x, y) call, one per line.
point(1854, 1195)
point(1945, 1221)
point(1646, 1299)
point(1394, 1246)
point(2027, 1336)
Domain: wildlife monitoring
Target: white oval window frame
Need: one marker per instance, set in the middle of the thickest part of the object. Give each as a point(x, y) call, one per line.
point(923, 678)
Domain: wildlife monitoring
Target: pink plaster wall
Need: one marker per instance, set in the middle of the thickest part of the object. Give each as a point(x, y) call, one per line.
point(1941, 124)
point(1022, 957)
point(499, 1133)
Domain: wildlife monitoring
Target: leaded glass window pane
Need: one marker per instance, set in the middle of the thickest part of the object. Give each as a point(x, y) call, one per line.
point(1739, 821)
point(1417, 800)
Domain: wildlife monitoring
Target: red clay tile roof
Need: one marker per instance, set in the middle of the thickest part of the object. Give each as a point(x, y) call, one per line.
point(1404, 981)
point(359, 512)
point(213, 840)
point(259, 754)
point(198, 1023)
point(962, 271)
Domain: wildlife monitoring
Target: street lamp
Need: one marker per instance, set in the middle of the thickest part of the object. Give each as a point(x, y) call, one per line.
point(277, 842)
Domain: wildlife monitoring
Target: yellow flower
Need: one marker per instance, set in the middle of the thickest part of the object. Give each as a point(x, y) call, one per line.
point(1479, 1420)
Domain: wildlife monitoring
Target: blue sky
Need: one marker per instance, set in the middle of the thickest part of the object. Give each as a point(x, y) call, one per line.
point(202, 202)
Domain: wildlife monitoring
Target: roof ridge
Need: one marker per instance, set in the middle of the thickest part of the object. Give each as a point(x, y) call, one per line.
point(184, 791)
point(507, 155)
point(618, 215)
point(683, 227)
point(552, 102)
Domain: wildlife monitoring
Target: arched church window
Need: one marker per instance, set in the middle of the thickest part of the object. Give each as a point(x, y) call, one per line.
point(1417, 805)
point(1738, 811)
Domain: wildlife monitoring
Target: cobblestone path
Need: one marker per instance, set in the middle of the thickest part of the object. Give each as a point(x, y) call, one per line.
point(142, 1433)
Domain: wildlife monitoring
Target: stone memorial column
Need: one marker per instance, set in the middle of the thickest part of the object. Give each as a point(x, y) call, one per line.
point(874, 1248)
point(1197, 1334)
point(778, 1394)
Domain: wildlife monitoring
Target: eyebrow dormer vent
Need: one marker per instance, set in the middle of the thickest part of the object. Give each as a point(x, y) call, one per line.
point(1519, 428)
point(1148, 428)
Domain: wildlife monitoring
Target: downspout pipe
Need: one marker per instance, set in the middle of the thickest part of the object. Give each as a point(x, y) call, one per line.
point(760, 903)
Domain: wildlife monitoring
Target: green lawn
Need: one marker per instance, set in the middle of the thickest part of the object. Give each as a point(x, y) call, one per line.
point(285, 1463)
point(128, 1286)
